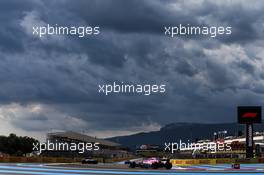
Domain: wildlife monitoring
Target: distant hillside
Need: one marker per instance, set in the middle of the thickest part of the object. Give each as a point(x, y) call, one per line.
point(184, 131)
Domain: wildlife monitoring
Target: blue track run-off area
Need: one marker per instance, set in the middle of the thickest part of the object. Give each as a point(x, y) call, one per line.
point(38, 169)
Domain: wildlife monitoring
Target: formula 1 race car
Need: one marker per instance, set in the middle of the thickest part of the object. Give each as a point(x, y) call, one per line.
point(153, 162)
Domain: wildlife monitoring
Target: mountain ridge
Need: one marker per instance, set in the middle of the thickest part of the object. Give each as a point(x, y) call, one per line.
point(173, 132)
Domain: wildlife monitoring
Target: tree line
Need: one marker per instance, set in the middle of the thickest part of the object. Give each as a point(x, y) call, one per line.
point(16, 145)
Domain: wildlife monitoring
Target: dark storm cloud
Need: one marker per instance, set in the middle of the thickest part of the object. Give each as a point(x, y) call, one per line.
point(205, 78)
point(150, 16)
point(10, 32)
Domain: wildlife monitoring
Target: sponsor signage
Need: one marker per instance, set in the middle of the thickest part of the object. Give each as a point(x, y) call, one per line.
point(249, 141)
point(249, 114)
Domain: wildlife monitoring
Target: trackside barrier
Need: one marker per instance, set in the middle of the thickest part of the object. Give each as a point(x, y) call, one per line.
point(12, 159)
point(187, 162)
point(261, 160)
point(224, 161)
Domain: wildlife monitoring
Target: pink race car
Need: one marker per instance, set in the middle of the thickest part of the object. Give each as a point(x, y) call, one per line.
point(152, 162)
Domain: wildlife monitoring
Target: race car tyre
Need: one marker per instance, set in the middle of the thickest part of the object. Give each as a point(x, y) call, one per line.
point(168, 165)
point(155, 165)
point(132, 165)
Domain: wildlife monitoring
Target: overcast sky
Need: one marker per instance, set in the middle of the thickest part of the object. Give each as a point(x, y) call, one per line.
point(51, 83)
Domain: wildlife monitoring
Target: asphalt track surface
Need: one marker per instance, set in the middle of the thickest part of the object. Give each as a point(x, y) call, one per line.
point(38, 169)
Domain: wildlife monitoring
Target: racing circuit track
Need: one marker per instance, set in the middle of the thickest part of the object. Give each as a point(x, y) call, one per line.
point(39, 169)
